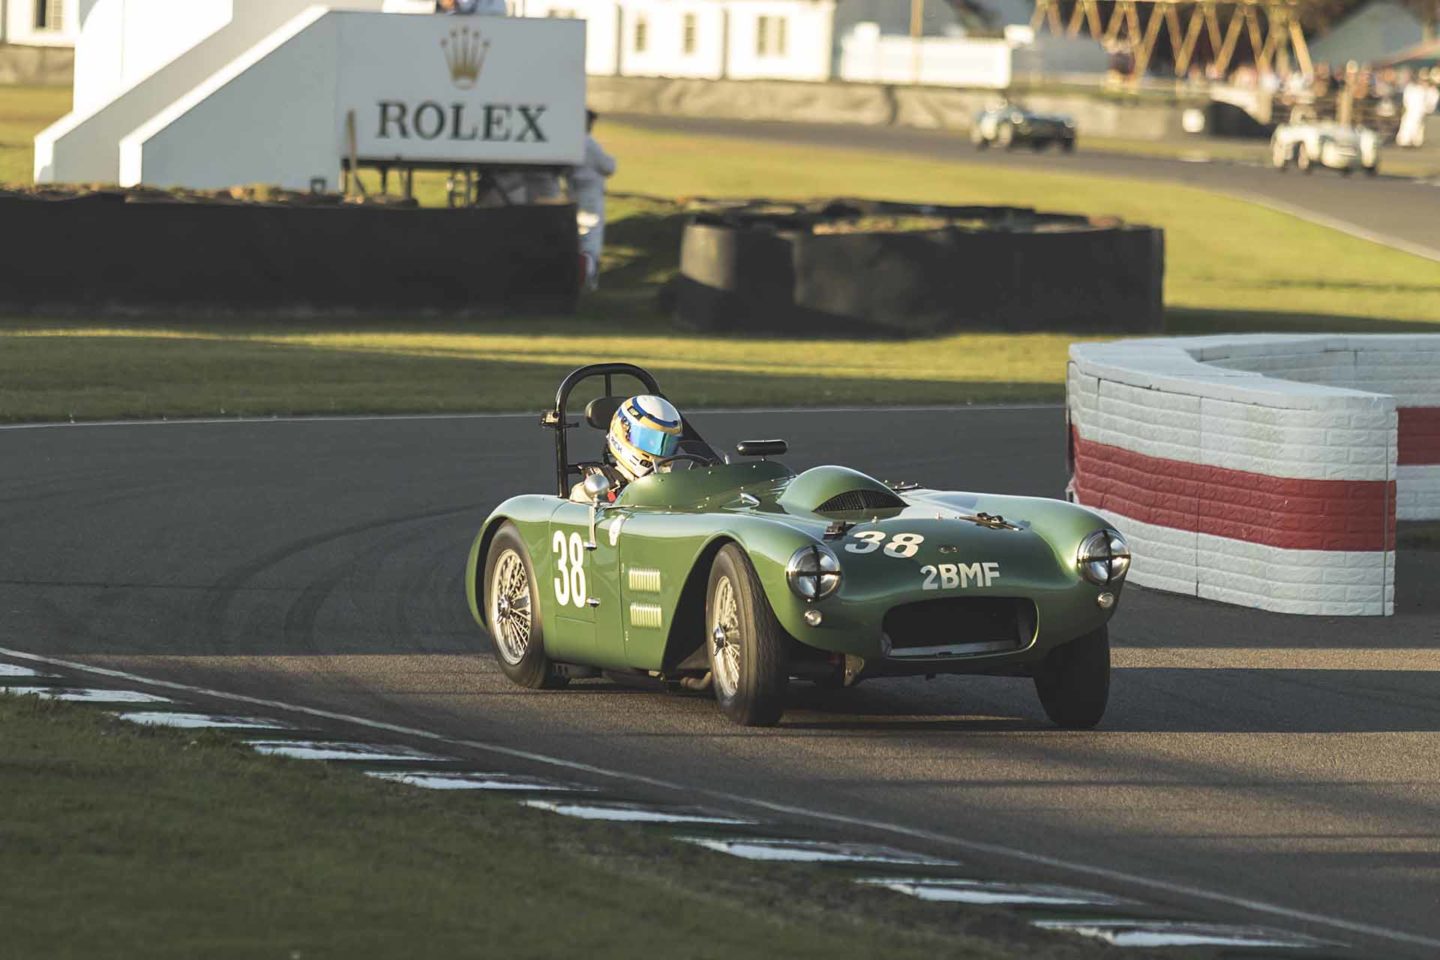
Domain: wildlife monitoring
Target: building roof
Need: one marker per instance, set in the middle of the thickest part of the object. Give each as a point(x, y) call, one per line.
point(1374, 32)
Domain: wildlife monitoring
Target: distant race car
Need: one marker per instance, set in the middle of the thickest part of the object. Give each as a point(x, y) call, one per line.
point(1309, 143)
point(739, 576)
point(1009, 125)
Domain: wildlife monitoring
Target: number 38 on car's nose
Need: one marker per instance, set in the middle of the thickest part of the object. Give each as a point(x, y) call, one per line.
point(739, 576)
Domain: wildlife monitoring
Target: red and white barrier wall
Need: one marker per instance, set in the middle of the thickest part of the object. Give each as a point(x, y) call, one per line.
point(1263, 470)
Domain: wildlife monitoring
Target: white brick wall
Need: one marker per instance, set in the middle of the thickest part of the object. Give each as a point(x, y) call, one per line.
point(1301, 407)
point(1417, 493)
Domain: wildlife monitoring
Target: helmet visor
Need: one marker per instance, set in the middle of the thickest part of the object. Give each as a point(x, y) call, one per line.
point(657, 443)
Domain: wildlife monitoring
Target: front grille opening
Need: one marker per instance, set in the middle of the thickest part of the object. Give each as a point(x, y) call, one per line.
point(960, 626)
point(860, 500)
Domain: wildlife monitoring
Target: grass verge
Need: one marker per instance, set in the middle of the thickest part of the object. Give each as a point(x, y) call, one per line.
point(1232, 266)
point(148, 843)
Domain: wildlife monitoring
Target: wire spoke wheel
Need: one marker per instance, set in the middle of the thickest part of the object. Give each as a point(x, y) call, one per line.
point(726, 637)
point(745, 643)
point(513, 610)
point(510, 614)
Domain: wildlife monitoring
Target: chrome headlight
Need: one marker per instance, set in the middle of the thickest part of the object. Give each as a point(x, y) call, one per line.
point(1104, 557)
point(813, 572)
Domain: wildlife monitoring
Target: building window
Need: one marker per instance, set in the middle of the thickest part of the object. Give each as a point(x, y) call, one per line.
point(770, 36)
point(642, 34)
point(689, 34)
point(50, 15)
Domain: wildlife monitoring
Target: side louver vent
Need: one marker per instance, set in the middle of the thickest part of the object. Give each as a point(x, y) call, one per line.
point(860, 500)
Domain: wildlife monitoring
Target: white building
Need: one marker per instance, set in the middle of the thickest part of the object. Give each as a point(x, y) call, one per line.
point(816, 40)
point(39, 23)
point(708, 39)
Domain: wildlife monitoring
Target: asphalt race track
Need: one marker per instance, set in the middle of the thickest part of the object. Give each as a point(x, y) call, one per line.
point(1398, 211)
point(1284, 763)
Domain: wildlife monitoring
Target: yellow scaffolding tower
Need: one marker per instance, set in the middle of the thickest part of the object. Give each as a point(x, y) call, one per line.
point(1271, 27)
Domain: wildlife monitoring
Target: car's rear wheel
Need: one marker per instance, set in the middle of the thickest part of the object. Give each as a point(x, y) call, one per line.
point(512, 612)
point(746, 643)
point(1068, 145)
point(1073, 681)
point(1005, 135)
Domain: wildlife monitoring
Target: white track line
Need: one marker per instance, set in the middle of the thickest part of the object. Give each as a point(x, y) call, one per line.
point(1118, 876)
point(382, 417)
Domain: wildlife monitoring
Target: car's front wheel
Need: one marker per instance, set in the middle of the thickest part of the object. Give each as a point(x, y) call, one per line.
point(512, 612)
point(746, 643)
point(1279, 155)
point(1073, 681)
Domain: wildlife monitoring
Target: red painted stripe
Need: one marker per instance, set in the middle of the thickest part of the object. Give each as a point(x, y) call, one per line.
point(1419, 436)
point(1274, 511)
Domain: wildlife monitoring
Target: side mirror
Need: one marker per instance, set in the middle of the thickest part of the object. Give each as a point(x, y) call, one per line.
point(597, 487)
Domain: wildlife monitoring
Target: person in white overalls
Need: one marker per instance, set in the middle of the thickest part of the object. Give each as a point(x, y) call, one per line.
point(587, 189)
point(1417, 100)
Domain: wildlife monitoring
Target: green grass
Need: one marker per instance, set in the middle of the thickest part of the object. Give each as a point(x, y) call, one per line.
point(126, 842)
point(24, 112)
point(1232, 266)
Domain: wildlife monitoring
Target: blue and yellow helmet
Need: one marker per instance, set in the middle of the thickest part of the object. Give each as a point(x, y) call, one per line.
point(643, 429)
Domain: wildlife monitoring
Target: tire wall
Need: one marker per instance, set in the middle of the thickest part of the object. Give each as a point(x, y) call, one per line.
point(1265, 470)
point(100, 250)
point(1090, 280)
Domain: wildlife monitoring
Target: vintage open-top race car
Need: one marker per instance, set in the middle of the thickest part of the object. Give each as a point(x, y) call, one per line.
point(1309, 143)
point(740, 576)
point(1010, 124)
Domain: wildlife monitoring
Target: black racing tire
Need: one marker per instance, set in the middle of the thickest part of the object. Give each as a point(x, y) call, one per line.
point(981, 143)
point(1039, 145)
point(1068, 145)
point(524, 663)
point(1073, 681)
point(751, 679)
point(1005, 136)
point(1279, 156)
point(1373, 169)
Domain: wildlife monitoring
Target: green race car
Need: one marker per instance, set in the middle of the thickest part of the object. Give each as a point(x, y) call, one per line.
point(741, 576)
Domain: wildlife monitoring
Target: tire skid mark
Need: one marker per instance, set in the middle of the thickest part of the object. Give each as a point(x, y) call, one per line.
point(230, 585)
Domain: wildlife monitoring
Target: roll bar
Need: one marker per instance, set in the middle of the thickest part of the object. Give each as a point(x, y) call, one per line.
point(555, 419)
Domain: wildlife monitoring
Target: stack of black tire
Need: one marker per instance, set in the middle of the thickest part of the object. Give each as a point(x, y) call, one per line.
point(762, 267)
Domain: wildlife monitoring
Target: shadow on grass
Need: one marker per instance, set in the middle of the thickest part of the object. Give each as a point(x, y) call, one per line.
point(1183, 320)
point(80, 377)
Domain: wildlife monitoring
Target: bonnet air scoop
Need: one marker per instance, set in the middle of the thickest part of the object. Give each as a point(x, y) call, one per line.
point(832, 489)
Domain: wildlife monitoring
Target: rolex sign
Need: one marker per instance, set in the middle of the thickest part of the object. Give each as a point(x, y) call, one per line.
point(463, 89)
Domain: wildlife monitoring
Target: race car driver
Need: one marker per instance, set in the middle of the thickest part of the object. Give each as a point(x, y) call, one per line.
point(644, 431)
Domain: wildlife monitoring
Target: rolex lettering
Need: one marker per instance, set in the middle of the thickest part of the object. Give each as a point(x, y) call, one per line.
point(497, 91)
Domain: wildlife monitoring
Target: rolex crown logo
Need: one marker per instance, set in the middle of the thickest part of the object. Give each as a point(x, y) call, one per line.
point(465, 52)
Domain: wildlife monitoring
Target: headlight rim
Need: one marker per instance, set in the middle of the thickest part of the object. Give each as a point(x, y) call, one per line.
point(823, 580)
point(1115, 557)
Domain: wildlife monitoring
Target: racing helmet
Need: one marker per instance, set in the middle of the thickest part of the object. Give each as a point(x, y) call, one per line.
point(643, 429)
